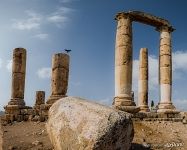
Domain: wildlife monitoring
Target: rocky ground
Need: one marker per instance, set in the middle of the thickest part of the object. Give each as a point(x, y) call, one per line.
point(26, 136)
point(160, 135)
point(155, 135)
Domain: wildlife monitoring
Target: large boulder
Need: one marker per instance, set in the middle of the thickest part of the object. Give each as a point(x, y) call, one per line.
point(78, 124)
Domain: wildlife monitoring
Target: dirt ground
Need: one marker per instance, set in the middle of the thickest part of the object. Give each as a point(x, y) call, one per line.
point(160, 135)
point(148, 135)
point(26, 136)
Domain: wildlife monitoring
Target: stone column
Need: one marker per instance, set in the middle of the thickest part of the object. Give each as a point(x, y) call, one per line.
point(60, 75)
point(123, 64)
point(143, 80)
point(165, 70)
point(18, 77)
point(40, 101)
point(40, 98)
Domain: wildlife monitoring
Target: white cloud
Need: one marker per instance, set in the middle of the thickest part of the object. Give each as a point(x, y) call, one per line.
point(44, 73)
point(32, 22)
point(9, 65)
point(36, 21)
point(57, 18)
point(180, 61)
point(42, 36)
point(60, 17)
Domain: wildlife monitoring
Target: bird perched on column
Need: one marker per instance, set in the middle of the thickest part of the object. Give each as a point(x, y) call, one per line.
point(67, 50)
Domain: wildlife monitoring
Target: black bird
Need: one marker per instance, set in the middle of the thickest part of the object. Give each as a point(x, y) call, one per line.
point(67, 50)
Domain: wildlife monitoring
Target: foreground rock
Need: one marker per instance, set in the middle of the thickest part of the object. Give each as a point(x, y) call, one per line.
point(77, 124)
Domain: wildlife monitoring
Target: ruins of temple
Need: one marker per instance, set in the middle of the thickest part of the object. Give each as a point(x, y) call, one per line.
point(123, 61)
point(16, 110)
point(124, 96)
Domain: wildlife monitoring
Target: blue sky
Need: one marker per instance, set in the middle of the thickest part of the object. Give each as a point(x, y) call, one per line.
point(45, 27)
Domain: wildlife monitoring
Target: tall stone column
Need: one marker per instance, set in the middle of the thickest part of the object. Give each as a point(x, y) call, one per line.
point(165, 70)
point(143, 80)
point(60, 75)
point(123, 64)
point(18, 77)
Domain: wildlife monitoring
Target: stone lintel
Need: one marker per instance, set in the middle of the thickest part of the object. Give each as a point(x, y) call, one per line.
point(145, 18)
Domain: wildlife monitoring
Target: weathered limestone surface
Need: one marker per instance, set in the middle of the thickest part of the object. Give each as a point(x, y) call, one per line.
point(149, 19)
point(165, 76)
point(123, 65)
point(40, 98)
point(123, 60)
point(16, 104)
point(143, 80)
point(18, 77)
point(75, 123)
point(60, 75)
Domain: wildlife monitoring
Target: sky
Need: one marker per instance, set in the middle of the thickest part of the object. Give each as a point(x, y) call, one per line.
point(88, 28)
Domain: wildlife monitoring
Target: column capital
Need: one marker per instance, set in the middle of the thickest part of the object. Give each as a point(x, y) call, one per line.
point(121, 15)
point(165, 28)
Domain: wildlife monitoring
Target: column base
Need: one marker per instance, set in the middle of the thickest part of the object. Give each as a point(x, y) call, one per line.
point(17, 101)
point(144, 108)
point(14, 112)
point(166, 108)
point(125, 104)
point(53, 98)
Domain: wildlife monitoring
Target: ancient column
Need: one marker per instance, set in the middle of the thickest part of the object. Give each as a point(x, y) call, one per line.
point(40, 98)
point(60, 74)
point(165, 70)
point(18, 77)
point(123, 64)
point(143, 80)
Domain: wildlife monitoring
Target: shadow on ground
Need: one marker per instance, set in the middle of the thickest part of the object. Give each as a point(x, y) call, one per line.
point(136, 146)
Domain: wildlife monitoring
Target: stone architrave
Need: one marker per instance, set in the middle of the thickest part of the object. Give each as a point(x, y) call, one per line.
point(60, 75)
point(123, 65)
point(165, 70)
point(143, 80)
point(18, 77)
